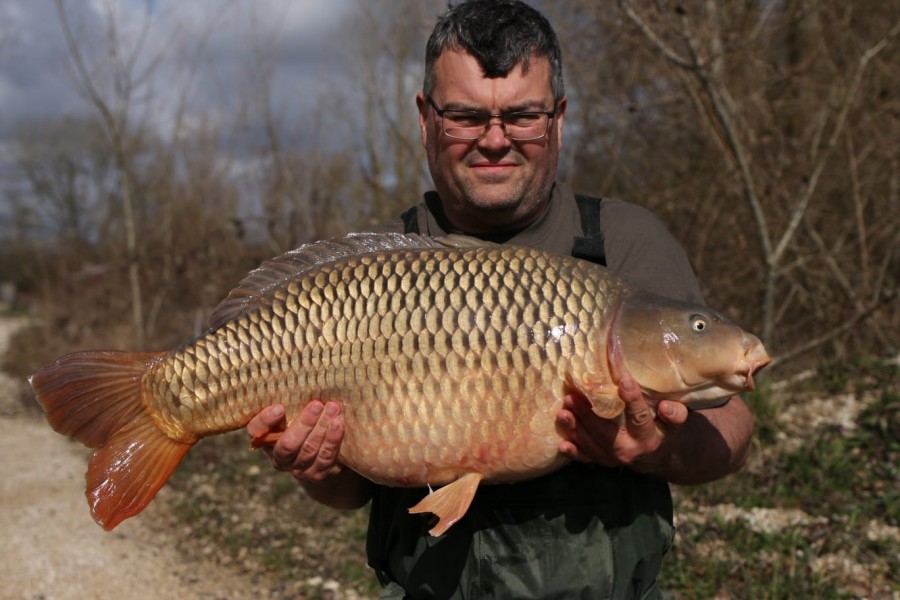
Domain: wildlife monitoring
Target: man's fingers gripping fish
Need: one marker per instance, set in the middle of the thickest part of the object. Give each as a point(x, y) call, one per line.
point(450, 358)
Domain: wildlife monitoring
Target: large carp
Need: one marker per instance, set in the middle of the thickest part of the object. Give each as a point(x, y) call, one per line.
point(450, 357)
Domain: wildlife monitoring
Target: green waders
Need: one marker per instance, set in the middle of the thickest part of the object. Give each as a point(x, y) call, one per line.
point(583, 532)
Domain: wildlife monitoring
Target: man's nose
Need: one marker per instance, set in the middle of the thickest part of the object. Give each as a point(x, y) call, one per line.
point(494, 137)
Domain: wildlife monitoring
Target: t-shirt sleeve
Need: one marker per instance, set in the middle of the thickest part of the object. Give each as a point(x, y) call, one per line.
point(641, 250)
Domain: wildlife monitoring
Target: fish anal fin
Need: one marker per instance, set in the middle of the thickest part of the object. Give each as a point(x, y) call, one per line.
point(450, 502)
point(603, 396)
point(265, 438)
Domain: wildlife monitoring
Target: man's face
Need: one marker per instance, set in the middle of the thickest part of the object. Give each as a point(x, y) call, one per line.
point(493, 183)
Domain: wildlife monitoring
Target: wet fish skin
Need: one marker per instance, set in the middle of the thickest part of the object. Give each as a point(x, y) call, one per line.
point(450, 359)
point(405, 341)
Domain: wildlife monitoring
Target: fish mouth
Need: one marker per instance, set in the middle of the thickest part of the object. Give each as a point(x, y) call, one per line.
point(742, 378)
point(755, 360)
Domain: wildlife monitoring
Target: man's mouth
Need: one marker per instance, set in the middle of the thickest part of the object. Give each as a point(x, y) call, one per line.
point(489, 170)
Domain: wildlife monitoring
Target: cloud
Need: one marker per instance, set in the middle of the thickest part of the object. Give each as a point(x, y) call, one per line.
point(205, 46)
point(31, 78)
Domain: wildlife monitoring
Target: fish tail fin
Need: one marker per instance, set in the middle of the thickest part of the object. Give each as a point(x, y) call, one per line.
point(97, 398)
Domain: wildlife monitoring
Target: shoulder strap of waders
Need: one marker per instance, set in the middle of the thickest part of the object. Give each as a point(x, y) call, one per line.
point(589, 246)
point(410, 218)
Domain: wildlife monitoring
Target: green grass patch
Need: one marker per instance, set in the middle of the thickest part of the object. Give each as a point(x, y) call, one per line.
point(244, 514)
point(734, 561)
point(842, 482)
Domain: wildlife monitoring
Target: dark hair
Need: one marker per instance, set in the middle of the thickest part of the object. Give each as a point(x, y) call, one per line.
point(500, 34)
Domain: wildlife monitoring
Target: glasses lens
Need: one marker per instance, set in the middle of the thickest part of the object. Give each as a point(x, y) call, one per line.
point(526, 126)
point(470, 125)
point(465, 125)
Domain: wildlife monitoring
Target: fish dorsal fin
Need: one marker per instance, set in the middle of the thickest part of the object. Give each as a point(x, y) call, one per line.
point(258, 288)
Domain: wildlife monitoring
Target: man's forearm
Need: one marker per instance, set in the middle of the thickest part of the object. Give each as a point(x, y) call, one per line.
point(711, 444)
point(347, 490)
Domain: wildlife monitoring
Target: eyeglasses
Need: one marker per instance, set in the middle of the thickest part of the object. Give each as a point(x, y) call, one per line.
point(474, 124)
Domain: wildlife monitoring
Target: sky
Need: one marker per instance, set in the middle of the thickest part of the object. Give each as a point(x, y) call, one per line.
point(35, 84)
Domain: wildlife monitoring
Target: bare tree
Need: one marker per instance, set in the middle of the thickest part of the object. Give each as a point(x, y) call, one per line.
point(767, 147)
point(114, 104)
point(387, 60)
point(66, 169)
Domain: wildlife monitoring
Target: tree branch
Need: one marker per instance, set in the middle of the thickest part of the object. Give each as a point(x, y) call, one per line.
point(834, 333)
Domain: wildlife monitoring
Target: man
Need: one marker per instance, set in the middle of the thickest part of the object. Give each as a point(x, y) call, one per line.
point(491, 115)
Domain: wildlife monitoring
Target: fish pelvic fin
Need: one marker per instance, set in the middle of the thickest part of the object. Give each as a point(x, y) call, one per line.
point(449, 503)
point(265, 438)
point(97, 398)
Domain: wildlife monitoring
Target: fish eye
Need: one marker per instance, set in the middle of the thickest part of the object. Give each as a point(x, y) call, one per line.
point(699, 323)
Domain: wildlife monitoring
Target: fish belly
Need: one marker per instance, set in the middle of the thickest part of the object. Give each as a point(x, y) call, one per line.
point(446, 361)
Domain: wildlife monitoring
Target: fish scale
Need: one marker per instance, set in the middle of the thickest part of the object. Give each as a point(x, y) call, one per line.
point(466, 341)
point(450, 359)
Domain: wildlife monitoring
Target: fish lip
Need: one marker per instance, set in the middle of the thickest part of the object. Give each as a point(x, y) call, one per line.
point(749, 383)
point(754, 368)
point(756, 358)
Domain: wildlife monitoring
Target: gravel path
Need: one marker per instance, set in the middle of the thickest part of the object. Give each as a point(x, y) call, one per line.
point(52, 549)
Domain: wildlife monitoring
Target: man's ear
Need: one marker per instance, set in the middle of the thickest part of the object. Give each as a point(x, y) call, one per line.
point(422, 105)
point(558, 121)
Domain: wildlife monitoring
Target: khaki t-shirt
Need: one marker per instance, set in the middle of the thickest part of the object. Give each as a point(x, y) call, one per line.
point(639, 248)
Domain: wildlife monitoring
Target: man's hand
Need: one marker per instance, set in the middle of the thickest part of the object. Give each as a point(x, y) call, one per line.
point(308, 449)
point(636, 439)
point(309, 446)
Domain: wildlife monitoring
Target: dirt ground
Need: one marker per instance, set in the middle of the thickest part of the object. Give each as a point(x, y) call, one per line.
point(52, 549)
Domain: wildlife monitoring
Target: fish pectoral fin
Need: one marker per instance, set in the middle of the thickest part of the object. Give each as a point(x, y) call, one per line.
point(608, 407)
point(450, 502)
point(603, 397)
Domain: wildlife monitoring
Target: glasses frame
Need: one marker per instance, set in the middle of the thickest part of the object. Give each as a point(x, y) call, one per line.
point(487, 124)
